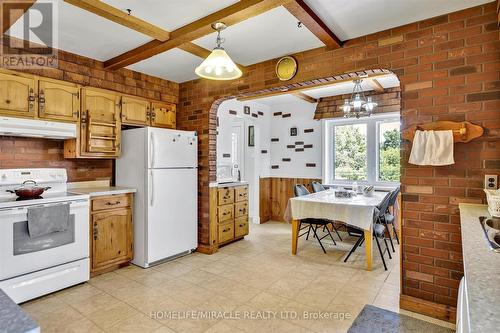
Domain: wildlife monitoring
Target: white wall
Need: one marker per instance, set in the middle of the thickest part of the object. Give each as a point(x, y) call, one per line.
point(302, 117)
point(265, 153)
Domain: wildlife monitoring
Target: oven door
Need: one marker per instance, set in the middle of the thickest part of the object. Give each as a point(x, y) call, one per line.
point(20, 254)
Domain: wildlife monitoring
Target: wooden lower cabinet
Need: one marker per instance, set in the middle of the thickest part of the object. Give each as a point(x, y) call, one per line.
point(232, 214)
point(111, 235)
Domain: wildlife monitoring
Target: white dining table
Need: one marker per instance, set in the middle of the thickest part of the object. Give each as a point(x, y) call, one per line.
point(356, 211)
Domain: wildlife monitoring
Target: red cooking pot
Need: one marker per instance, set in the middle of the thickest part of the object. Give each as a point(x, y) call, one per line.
point(29, 189)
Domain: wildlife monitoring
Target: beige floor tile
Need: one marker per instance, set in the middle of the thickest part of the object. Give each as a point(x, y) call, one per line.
point(137, 323)
point(109, 316)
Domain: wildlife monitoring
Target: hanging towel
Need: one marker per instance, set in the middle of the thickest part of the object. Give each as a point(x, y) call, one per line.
point(432, 148)
point(46, 220)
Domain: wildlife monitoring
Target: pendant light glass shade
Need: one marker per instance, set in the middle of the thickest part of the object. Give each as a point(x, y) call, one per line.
point(218, 66)
point(358, 106)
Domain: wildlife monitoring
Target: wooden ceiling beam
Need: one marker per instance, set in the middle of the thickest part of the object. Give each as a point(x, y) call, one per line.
point(233, 14)
point(302, 96)
point(118, 16)
point(115, 15)
point(376, 85)
point(303, 89)
point(311, 21)
point(9, 17)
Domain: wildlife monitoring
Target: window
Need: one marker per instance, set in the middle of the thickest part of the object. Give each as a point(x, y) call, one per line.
point(363, 150)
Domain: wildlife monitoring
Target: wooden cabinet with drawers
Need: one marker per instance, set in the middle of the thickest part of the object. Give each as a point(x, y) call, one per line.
point(232, 213)
point(111, 236)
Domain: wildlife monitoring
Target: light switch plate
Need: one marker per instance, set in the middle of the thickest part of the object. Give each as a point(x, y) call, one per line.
point(491, 182)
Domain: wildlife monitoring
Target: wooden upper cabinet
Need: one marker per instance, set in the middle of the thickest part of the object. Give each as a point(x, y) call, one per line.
point(17, 95)
point(58, 100)
point(100, 124)
point(163, 115)
point(135, 111)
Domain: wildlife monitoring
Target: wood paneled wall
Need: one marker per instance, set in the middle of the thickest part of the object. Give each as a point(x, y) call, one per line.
point(274, 195)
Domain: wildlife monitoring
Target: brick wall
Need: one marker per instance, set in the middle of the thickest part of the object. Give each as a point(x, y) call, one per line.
point(42, 153)
point(331, 107)
point(449, 70)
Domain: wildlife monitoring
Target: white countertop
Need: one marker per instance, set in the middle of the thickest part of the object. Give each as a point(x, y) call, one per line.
point(231, 184)
point(482, 271)
point(103, 190)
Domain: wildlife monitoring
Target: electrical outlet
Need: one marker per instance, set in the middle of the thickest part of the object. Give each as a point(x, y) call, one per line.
point(491, 182)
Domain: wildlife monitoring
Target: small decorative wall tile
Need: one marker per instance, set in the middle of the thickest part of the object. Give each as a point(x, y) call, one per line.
point(233, 112)
point(290, 146)
point(226, 155)
point(310, 165)
point(263, 151)
point(287, 115)
point(279, 113)
point(308, 146)
point(299, 149)
point(275, 139)
point(299, 142)
point(275, 166)
point(255, 115)
point(286, 159)
point(260, 113)
point(309, 130)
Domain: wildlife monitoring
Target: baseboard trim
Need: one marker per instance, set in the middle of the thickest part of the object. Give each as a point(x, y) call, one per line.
point(428, 308)
point(207, 249)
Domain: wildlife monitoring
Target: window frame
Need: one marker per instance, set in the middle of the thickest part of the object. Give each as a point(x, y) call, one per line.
point(372, 146)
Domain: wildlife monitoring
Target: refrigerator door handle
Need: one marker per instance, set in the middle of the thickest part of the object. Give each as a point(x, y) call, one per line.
point(152, 149)
point(152, 194)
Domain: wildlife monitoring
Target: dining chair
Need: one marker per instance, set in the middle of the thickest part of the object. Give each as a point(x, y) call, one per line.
point(314, 224)
point(389, 217)
point(378, 231)
point(318, 187)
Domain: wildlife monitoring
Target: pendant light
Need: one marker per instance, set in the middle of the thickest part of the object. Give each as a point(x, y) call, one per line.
point(218, 65)
point(358, 106)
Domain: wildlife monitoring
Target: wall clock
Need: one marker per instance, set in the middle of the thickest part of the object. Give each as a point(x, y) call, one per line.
point(286, 68)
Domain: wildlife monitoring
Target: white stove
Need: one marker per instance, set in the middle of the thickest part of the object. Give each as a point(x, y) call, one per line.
point(34, 266)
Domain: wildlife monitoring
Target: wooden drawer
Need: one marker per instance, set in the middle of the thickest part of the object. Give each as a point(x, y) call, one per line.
point(241, 227)
point(225, 212)
point(226, 232)
point(111, 202)
point(240, 209)
point(225, 196)
point(240, 194)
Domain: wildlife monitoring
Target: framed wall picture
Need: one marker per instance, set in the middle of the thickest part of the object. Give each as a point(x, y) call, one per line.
point(293, 131)
point(246, 109)
point(251, 136)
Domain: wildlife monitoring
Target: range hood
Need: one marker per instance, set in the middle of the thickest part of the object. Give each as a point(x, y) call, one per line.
point(36, 128)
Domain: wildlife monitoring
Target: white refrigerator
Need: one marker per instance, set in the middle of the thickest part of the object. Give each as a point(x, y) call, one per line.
point(162, 165)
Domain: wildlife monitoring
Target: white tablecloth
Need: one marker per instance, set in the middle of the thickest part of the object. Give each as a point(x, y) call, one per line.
point(356, 211)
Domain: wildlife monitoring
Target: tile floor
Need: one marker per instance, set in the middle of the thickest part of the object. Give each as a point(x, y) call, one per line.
point(254, 285)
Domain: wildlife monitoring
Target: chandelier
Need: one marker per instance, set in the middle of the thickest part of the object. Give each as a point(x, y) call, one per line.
point(218, 65)
point(358, 105)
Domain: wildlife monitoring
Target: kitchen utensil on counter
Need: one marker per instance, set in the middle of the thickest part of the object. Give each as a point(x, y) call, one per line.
point(368, 191)
point(29, 189)
point(493, 198)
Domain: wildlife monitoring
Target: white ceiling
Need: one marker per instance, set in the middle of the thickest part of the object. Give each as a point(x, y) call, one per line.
point(175, 65)
point(89, 35)
point(170, 14)
point(354, 18)
point(267, 36)
point(389, 81)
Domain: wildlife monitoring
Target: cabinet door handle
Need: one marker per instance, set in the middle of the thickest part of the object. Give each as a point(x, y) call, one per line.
point(96, 232)
point(113, 203)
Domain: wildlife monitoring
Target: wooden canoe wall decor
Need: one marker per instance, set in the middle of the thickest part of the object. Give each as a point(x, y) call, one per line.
point(462, 131)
